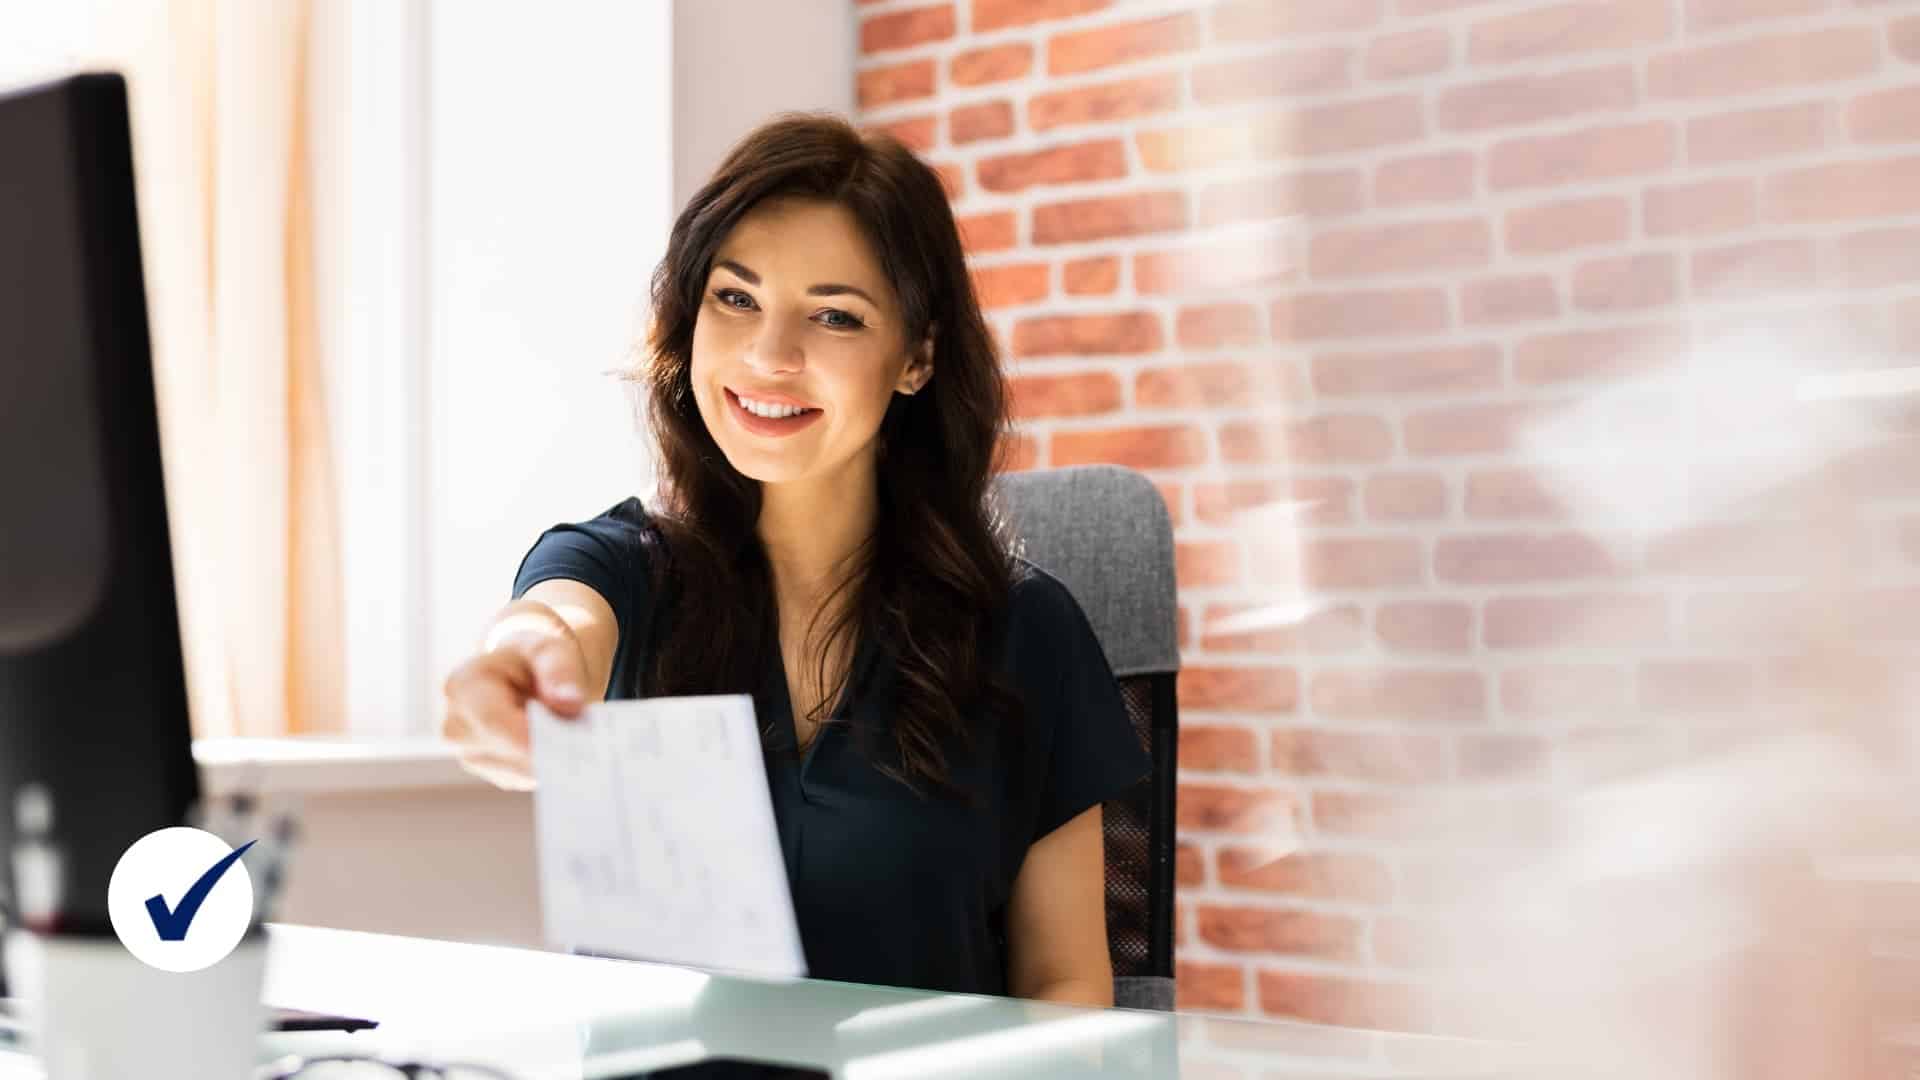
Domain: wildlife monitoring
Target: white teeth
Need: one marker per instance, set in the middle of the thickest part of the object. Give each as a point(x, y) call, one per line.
point(771, 412)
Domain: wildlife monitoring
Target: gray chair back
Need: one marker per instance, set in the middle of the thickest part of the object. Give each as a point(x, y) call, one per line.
point(1104, 532)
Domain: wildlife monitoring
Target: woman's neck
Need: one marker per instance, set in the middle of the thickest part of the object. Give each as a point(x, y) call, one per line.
point(810, 529)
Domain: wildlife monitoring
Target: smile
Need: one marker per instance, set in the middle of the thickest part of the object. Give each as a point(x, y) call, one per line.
point(769, 418)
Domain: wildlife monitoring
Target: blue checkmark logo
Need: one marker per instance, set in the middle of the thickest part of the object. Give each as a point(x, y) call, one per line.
point(214, 909)
point(172, 925)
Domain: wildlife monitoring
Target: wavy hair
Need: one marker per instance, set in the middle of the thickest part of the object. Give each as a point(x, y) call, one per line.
point(931, 583)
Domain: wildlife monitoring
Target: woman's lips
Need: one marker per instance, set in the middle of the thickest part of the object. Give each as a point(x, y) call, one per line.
point(766, 425)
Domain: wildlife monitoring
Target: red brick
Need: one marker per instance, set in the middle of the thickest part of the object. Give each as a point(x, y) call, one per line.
point(1350, 878)
point(1440, 370)
point(1011, 284)
point(1700, 207)
point(1692, 686)
point(1287, 73)
point(1609, 352)
point(1447, 176)
point(1754, 269)
point(1532, 99)
point(996, 231)
point(1877, 257)
point(1020, 451)
point(1567, 28)
point(1400, 942)
point(1202, 146)
point(1189, 865)
point(1903, 36)
point(1175, 498)
point(1891, 116)
point(1406, 496)
point(1215, 325)
point(917, 133)
point(1580, 156)
point(1347, 126)
point(1292, 933)
point(1220, 808)
point(952, 179)
point(972, 123)
point(1215, 748)
point(1425, 626)
point(1126, 99)
point(1248, 260)
point(1844, 191)
point(1508, 299)
point(1551, 228)
point(1257, 20)
point(1310, 500)
point(1520, 559)
point(1764, 548)
point(1360, 313)
point(1209, 386)
point(1316, 195)
point(905, 29)
point(1335, 629)
point(1435, 7)
point(1216, 987)
point(1139, 448)
point(1563, 689)
point(1472, 429)
point(1503, 757)
point(1085, 394)
point(1321, 440)
point(1401, 248)
point(1109, 216)
point(1511, 493)
point(1721, 14)
point(1386, 759)
point(1093, 276)
point(1106, 46)
point(1200, 563)
point(1399, 694)
point(1001, 14)
point(1754, 65)
point(1625, 283)
point(1105, 159)
point(1118, 333)
point(1756, 133)
point(1348, 1002)
point(997, 63)
point(879, 86)
point(1575, 621)
point(1359, 562)
point(1409, 54)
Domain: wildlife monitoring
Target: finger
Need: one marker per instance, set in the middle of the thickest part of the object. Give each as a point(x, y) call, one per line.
point(558, 676)
point(486, 712)
point(499, 770)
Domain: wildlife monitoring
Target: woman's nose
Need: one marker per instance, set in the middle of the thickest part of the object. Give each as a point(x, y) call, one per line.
point(776, 350)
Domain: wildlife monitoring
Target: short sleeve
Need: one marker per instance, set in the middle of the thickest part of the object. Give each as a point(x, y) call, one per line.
point(608, 555)
point(1091, 753)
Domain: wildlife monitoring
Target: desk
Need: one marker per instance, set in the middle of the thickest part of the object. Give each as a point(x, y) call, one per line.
point(548, 1015)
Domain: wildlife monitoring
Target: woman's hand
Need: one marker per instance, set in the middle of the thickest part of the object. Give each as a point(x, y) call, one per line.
point(532, 654)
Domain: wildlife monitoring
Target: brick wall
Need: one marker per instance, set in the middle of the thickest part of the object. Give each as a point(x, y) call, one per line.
point(1327, 270)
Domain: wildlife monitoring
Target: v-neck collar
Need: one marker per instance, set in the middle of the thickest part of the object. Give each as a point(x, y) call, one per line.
point(775, 693)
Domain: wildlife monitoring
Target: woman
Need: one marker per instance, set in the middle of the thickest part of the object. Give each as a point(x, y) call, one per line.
point(940, 724)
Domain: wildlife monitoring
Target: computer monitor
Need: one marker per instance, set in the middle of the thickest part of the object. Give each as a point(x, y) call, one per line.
point(93, 698)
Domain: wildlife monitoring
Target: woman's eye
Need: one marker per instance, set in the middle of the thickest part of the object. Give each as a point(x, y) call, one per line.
point(840, 320)
point(734, 298)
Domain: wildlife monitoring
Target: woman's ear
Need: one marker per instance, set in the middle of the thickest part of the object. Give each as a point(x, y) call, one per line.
point(919, 367)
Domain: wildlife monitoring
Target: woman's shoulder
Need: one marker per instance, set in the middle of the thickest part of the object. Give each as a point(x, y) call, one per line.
point(1040, 602)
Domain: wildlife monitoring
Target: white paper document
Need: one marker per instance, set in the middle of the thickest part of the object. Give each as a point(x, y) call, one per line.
point(656, 835)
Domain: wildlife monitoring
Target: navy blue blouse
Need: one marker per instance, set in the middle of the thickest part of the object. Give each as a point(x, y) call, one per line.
point(891, 887)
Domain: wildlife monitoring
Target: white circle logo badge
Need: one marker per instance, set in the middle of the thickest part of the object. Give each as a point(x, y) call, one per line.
point(180, 898)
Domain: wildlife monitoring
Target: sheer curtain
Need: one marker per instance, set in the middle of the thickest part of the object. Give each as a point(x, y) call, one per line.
point(220, 130)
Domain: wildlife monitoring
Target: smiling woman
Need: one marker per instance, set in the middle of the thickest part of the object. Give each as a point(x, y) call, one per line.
point(940, 725)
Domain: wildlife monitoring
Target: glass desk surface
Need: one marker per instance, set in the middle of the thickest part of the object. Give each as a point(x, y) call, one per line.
point(535, 1014)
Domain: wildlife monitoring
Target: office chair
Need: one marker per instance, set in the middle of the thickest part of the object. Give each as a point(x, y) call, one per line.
point(1104, 532)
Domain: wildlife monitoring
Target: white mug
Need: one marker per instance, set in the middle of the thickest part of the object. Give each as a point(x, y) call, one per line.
point(92, 1011)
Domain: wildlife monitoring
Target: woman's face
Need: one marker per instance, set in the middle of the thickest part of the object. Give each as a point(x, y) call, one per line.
point(798, 346)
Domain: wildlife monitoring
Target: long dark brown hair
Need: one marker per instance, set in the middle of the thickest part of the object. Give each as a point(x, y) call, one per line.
point(931, 583)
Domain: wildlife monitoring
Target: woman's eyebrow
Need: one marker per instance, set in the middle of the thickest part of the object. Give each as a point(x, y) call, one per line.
point(827, 289)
